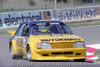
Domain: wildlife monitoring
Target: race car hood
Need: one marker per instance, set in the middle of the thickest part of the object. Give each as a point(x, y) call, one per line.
point(57, 38)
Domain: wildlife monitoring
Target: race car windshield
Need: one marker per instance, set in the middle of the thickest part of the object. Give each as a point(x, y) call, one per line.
point(50, 28)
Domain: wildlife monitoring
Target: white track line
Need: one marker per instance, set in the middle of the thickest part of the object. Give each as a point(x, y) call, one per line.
point(96, 46)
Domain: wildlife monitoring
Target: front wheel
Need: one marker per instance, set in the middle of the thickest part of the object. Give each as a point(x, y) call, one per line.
point(12, 55)
point(79, 60)
point(28, 53)
point(11, 52)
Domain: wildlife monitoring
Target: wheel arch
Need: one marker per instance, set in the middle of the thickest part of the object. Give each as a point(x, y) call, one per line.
point(10, 44)
point(27, 48)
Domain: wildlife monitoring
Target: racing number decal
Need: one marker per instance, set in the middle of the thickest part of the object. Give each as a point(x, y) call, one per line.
point(18, 40)
point(24, 42)
point(21, 42)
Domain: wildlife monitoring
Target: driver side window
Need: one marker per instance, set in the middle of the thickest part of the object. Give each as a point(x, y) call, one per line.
point(19, 32)
point(25, 31)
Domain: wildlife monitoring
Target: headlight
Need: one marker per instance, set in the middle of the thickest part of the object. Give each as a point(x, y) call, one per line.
point(43, 46)
point(78, 44)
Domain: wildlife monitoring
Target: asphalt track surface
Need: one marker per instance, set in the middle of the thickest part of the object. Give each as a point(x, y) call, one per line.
point(91, 35)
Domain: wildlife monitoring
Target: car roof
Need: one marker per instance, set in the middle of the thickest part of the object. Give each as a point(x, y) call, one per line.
point(40, 21)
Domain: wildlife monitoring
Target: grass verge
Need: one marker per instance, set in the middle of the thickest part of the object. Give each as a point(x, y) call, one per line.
point(71, 25)
point(98, 54)
point(83, 24)
point(17, 10)
point(5, 31)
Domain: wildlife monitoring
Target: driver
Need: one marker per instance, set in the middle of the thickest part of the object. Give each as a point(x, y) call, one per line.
point(54, 29)
point(35, 29)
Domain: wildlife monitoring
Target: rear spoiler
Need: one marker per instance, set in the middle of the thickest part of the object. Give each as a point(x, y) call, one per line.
point(11, 33)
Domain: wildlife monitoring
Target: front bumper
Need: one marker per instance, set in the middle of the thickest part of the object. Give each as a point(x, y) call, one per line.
point(58, 54)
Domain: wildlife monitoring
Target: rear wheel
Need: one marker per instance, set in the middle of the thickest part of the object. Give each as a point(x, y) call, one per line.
point(79, 60)
point(28, 53)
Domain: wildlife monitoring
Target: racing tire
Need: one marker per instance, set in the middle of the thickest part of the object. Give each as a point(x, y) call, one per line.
point(11, 52)
point(79, 60)
point(29, 53)
point(12, 55)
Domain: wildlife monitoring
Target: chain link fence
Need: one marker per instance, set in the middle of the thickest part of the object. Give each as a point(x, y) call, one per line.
point(46, 4)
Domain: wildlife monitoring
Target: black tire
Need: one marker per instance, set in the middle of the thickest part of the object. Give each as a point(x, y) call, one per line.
point(79, 60)
point(28, 53)
point(11, 52)
point(19, 57)
point(12, 55)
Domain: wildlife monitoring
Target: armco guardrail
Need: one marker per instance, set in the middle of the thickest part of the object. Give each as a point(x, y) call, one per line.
point(13, 19)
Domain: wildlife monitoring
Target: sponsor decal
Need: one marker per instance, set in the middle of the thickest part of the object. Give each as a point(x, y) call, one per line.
point(21, 42)
point(46, 15)
point(0, 23)
point(75, 13)
point(25, 42)
point(61, 39)
point(22, 18)
point(17, 18)
point(13, 19)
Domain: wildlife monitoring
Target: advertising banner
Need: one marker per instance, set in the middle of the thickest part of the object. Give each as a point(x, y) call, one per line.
point(74, 13)
point(14, 19)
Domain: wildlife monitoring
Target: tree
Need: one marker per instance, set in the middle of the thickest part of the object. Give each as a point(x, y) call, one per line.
point(64, 1)
point(87, 0)
point(58, 1)
point(31, 2)
point(1, 3)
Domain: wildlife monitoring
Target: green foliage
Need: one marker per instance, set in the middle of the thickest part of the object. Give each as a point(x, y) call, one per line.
point(97, 1)
point(87, 0)
point(31, 2)
point(58, 1)
point(64, 1)
point(78, 24)
point(78, 1)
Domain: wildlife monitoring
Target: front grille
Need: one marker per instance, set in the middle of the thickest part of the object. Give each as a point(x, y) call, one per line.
point(78, 53)
point(61, 53)
point(45, 54)
point(62, 45)
point(68, 53)
point(56, 53)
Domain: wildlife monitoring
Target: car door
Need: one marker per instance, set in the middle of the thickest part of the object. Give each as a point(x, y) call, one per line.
point(22, 38)
point(18, 38)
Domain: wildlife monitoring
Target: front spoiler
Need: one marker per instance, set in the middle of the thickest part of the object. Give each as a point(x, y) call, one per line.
point(60, 50)
point(38, 54)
